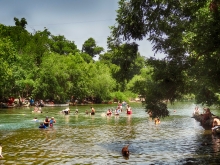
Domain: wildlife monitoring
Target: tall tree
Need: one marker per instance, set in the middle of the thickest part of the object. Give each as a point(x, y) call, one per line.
point(126, 59)
point(91, 48)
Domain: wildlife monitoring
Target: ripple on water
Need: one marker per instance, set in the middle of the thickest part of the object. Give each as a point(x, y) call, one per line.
point(96, 139)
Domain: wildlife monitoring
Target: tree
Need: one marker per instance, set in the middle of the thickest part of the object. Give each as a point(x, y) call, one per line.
point(187, 32)
point(17, 34)
point(126, 61)
point(38, 45)
point(8, 58)
point(91, 48)
point(59, 44)
point(22, 23)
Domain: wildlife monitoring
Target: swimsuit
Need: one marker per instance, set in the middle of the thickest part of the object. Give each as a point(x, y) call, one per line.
point(51, 123)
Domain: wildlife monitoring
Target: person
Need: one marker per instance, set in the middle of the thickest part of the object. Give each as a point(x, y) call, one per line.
point(117, 111)
point(157, 120)
point(124, 103)
point(120, 106)
point(150, 113)
point(31, 102)
point(66, 111)
point(196, 111)
point(35, 109)
point(52, 121)
point(92, 111)
point(207, 115)
point(46, 122)
point(42, 125)
point(129, 110)
point(76, 112)
point(35, 119)
point(215, 124)
point(87, 112)
point(109, 112)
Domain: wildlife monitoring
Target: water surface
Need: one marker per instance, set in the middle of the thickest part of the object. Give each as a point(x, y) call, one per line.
point(84, 139)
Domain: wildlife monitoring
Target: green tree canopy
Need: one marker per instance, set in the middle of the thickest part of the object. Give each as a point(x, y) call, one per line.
point(91, 48)
point(8, 59)
point(124, 60)
point(59, 44)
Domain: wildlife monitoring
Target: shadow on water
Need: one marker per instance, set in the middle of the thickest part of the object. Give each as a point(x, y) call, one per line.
point(83, 139)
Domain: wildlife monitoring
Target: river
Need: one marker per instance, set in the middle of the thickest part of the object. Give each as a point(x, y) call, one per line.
point(84, 139)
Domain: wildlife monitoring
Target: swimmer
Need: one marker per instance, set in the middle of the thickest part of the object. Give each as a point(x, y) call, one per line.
point(42, 125)
point(35, 119)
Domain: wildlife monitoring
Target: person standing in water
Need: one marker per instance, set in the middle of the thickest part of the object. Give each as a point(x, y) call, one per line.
point(129, 110)
point(46, 122)
point(109, 112)
point(92, 111)
point(52, 121)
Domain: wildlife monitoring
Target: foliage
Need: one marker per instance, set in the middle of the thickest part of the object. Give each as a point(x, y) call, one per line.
point(188, 33)
point(44, 66)
point(91, 48)
point(8, 58)
point(72, 76)
point(59, 44)
point(22, 23)
point(126, 61)
point(118, 96)
point(102, 83)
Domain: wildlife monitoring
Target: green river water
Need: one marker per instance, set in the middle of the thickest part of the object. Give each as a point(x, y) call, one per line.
point(84, 139)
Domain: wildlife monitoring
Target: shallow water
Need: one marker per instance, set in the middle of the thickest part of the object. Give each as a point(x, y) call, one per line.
point(84, 139)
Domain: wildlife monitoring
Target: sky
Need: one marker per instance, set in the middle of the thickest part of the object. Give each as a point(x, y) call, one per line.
point(76, 20)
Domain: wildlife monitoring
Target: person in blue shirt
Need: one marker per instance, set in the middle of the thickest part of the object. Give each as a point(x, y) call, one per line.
point(42, 125)
point(52, 120)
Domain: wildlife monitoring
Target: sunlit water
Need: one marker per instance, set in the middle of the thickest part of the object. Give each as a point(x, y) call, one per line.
point(85, 139)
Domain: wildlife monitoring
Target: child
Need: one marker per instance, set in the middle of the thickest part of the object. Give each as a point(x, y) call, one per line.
point(52, 120)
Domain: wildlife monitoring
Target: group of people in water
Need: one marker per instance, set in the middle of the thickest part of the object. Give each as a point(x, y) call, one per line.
point(118, 110)
point(48, 122)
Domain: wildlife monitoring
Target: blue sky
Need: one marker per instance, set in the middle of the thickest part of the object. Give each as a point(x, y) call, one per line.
point(77, 20)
